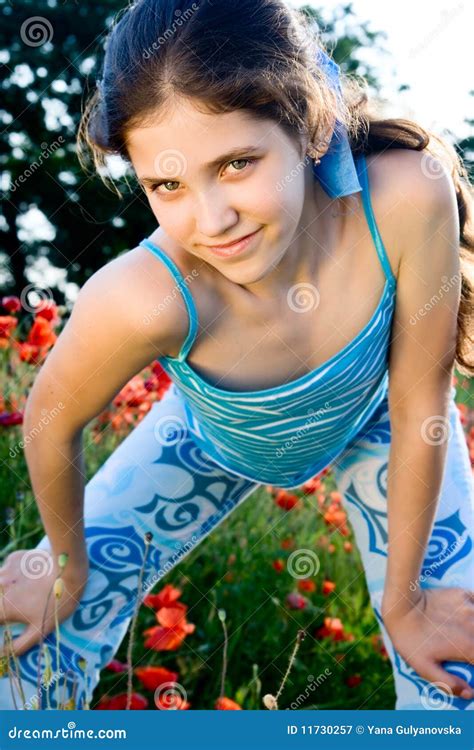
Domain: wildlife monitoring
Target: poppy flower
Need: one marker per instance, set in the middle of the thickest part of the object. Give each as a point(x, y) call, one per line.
point(353, 680)
point(12, 304)
point(226, 704)
point(116, 666)
point(287, 500)
point(287, 543)
point(312, 485)
point(119, 702)
point(7, 419)
point(279, 565)
point(170, 701)
point(48, 310)
point(296, 601)
point(152, 677)
point(305, 584)
point(166, 597)
point(7, 324)
point(41, 333)
point(328, 587)
point(333, 629)
point(172, 629)
point(348, 546)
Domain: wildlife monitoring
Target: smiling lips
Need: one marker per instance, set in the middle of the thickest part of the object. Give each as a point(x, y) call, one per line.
point(233, 248)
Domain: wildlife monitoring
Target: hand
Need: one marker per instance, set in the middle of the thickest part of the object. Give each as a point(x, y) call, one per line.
point(27, 578)
point(437, 627)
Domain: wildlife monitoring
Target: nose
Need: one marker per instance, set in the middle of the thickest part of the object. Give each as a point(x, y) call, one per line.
point(214, 215)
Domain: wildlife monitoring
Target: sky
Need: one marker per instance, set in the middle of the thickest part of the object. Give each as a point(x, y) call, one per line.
point(424, 39)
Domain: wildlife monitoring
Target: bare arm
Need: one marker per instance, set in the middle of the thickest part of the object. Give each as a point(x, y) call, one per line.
point(111, 335)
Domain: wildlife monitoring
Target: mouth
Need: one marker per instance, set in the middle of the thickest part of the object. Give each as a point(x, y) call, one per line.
point(232, 248)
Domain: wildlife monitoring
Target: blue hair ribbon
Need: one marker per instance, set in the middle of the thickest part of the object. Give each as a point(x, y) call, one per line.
point(336, 171)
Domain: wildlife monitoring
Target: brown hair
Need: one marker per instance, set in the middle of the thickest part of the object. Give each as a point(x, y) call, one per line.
point(258, 56)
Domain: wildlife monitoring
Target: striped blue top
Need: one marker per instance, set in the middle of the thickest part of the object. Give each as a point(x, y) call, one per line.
point(287, 434)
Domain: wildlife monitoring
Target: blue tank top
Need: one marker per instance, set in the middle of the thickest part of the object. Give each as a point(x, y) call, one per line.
point(287, 434)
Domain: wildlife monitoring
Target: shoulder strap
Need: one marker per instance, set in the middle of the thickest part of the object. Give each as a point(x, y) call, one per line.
point(361, 165)
point(188, 299)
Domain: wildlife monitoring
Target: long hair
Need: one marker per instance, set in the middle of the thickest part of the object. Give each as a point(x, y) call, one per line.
point(259, 56)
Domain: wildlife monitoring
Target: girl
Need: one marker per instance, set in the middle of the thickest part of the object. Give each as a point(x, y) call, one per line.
point(306, 292)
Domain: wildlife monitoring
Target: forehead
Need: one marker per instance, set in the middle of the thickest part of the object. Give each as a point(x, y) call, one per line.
point(199, 136)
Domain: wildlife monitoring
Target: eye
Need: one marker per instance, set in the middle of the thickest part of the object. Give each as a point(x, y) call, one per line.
point(154, 187)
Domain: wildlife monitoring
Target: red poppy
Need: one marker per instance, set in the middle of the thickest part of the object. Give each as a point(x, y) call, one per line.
point(296, 601)
point(287, 500)
point(353, 680)
point(7, 419)
point(173, 630)
point(12, 304)
point(305, 584)
point(287, 543)
point(279, 565)
point(7, 324)
point(166, 598)
point(348, 546)
point(333, 629)
point(119, 702)
point(48, 310)
point(170, 701)
point(312, 485)
point(152, 677)
point(226, 704)
point(328, 587)
point(116, 666)
point(41, 333)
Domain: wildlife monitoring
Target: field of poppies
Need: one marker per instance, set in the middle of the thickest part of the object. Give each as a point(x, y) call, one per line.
point(228, 628)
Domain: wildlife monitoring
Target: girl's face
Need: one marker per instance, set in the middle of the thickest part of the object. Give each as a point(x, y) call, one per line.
point(213, 179)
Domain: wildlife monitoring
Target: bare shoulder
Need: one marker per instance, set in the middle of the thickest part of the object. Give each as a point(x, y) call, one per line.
point(410, 191)
point(143, 292)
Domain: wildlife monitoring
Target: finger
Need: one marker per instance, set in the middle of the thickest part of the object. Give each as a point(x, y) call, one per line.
point(450, 683)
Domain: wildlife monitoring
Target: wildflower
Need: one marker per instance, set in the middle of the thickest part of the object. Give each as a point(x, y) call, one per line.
point(152, 677)
point(296, 601)
point(348, 546)
point(279, 565)
point(166, 598)
point(11, 304)
point(226, 704)
point(331, 548)
point(169, 701)
point(333, 629)
point(353, 680)
point(7, 324)
point(287, 500)
point(173, 630)
point(305, 584)
point(312, 485)
point(116, 666)
point(287, 543)
point(328, 587)
point(119, 702)
point(8, 419)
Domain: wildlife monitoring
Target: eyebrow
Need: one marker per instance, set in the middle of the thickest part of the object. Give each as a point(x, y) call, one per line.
point(229, 156)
